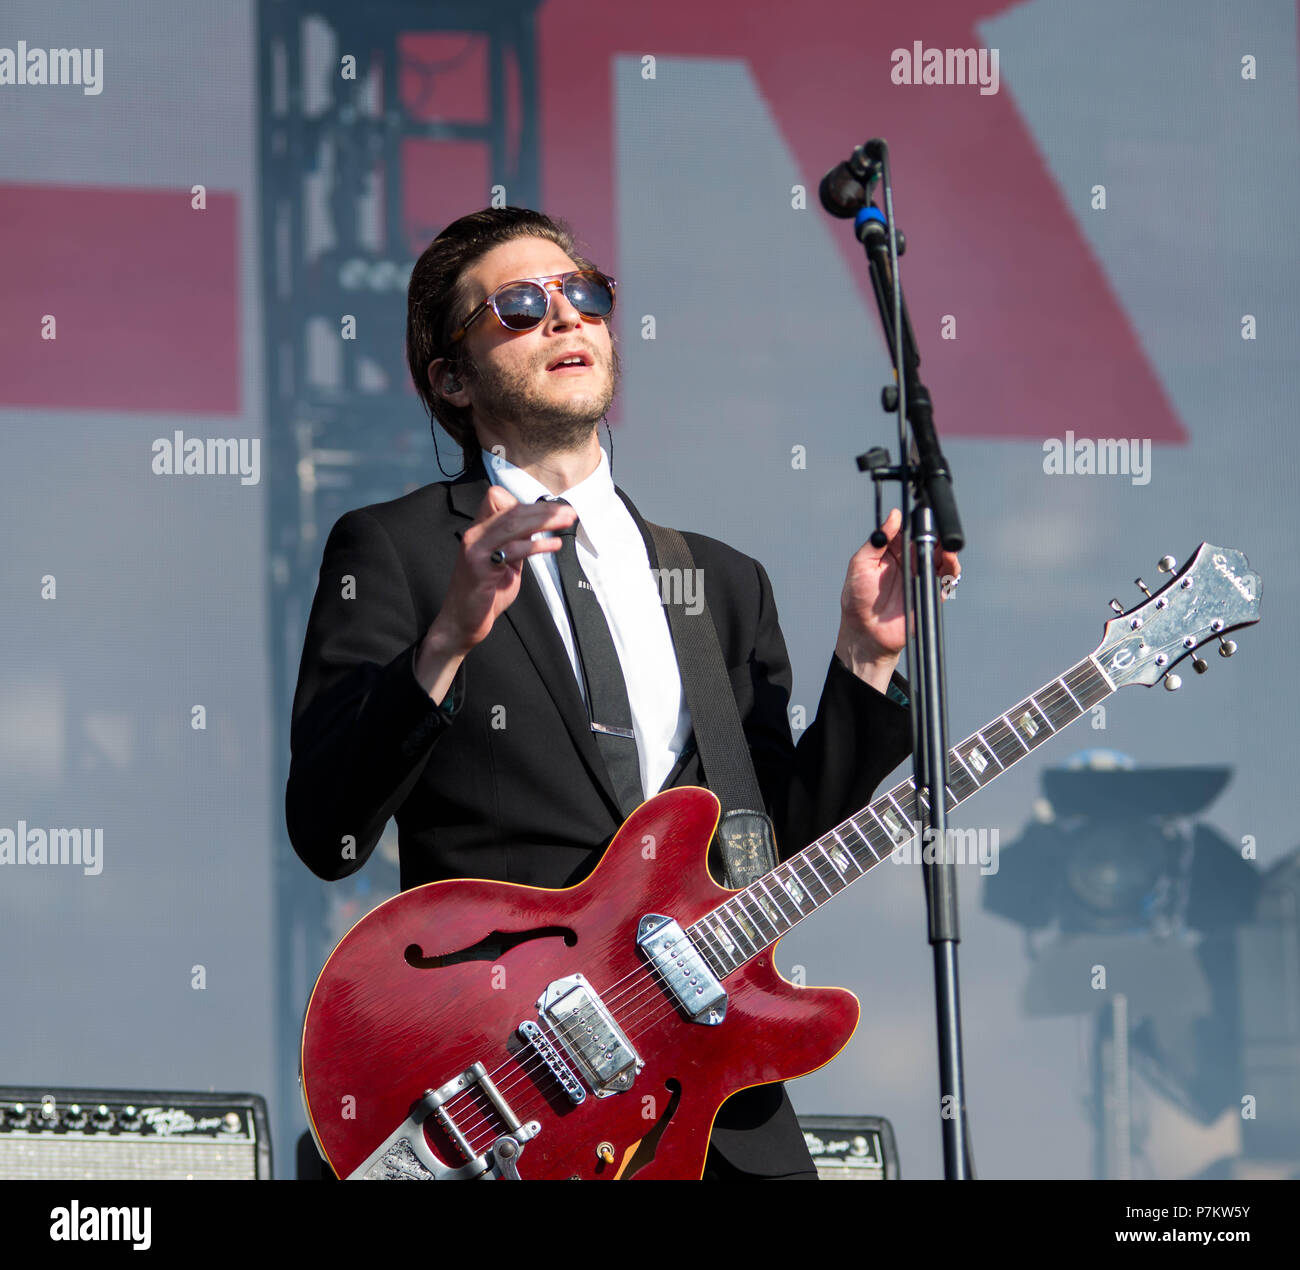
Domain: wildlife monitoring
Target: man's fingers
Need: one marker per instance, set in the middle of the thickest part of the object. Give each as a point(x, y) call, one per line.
point(946, 563)
point(503, 519)
point(517, 551)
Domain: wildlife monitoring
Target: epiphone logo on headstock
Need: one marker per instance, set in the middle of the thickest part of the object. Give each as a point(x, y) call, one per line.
point(1220, 562)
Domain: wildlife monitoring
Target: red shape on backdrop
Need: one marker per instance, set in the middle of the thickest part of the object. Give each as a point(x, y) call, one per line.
point(1043, 344)
point(144, 291)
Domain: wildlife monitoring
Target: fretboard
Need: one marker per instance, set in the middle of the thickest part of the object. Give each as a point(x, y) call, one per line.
point(755, 918)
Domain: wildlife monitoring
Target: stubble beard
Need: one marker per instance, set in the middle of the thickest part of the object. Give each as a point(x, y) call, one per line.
point(545, 423)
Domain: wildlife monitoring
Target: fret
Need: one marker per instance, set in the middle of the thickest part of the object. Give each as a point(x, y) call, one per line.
point(897, 831)
point(1012, 727)
point(883, 828)
point(792, 887)
point(1061, 710)
point(974, 780)
point(978, 758)
point(699, 937)
point(866, 838)
point(741, 925)
point(1109, 683)
point(1042, 714)
point(906, 792)
point(882, 844)
point(1030, 724)
point(818, 875)
point(997, 758)
point(725, 942)
point(776, 905)
point(761, 905)
point(846, 853)
point(1090, 673)
point(783, 897)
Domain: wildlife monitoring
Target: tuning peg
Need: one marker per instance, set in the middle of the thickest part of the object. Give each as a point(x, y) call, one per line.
point(1173, 683)
point(1116, 606)
point(1227, 647)
point(1141, 586)
point(1166, 564)
point(1200, 665)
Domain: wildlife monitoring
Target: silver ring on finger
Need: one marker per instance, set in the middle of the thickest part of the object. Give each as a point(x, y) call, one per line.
point(498, 556)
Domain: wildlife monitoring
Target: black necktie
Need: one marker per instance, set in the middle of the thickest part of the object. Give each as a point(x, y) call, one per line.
point(608, 710)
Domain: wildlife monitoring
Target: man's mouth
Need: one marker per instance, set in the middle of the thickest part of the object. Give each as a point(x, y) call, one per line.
point(570, 364)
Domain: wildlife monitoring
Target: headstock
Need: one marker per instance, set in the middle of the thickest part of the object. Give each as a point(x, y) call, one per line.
point(1213, 593)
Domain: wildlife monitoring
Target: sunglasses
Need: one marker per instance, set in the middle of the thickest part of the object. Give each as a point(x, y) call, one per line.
point(523, 304)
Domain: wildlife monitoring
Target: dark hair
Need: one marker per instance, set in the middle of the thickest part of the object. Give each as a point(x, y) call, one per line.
point(436, 302)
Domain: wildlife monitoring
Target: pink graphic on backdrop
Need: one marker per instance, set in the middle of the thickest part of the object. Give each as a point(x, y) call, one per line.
point(1043, 344)
point(144, 291)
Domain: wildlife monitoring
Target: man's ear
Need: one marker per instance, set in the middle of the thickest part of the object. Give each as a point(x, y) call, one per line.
point(442, 378)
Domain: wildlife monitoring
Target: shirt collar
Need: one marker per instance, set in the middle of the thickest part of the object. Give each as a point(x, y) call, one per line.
point(593, 498)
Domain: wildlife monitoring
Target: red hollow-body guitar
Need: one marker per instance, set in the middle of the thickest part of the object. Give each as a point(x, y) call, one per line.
point(474, 1029)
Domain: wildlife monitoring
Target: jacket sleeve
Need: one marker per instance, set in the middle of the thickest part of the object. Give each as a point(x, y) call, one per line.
point(858, 736)
point(363, 728)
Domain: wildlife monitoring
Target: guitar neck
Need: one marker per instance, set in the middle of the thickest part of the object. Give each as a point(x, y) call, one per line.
point(755, 918)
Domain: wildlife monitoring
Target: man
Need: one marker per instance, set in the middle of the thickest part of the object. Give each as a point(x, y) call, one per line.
point(442, 681)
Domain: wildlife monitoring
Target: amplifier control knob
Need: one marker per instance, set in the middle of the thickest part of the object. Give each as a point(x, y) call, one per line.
point(74, 1117)
point(103, 1117)
point(19, 1116)
point(129, 1119)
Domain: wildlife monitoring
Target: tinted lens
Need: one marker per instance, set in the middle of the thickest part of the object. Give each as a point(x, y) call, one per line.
point(521, 305)
point(590, 293)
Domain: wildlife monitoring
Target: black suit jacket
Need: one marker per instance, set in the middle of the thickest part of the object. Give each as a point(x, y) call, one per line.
point(510, 785)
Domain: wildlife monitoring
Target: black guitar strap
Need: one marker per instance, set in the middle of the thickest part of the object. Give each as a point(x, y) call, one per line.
point(745, 834)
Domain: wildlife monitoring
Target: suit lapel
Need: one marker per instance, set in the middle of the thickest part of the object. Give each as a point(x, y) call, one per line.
point(535, 628)
point(689, 749)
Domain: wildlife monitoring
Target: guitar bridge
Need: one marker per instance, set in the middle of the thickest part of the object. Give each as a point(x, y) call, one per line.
point(562, 1072)
point(406, 1155)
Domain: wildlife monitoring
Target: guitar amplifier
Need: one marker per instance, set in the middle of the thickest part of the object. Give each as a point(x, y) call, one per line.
point(94, 1134)
point(851, 1148)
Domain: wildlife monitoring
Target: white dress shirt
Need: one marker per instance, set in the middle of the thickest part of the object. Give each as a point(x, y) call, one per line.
point(613, 556)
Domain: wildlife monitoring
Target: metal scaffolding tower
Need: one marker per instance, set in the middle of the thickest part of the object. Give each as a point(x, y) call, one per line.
point(379, 124)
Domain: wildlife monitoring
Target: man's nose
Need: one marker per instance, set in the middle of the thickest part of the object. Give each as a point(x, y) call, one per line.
point(563, 311)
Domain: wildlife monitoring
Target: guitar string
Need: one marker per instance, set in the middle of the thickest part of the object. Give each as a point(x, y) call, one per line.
point(1001, 749)
point(535, 1063)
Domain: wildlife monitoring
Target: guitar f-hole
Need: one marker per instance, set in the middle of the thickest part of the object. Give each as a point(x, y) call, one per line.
point(645, 1150)
point(489, 948)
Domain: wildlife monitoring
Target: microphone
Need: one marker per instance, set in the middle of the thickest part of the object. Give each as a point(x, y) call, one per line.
point(846, 188)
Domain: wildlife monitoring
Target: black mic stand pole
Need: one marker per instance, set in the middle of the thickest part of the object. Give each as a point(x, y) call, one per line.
point(922, 471)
